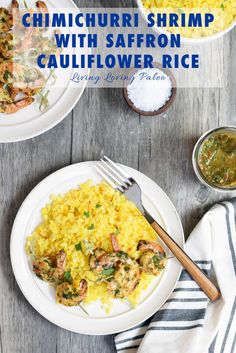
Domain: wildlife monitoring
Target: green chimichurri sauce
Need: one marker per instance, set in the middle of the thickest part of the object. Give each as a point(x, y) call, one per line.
point(217, 159)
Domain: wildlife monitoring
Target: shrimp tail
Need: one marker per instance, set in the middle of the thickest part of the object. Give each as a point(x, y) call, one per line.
point(42, 6)
point(15, 4)
point(61, 260)
point(114, 242)
point(83, 288)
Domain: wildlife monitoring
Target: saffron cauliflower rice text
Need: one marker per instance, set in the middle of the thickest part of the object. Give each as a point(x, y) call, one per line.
point(81, 221)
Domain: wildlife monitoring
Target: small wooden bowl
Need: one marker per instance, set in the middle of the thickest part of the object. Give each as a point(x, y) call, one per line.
point(162, 109)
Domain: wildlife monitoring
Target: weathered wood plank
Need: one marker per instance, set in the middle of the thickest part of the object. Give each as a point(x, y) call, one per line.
point(22, 166)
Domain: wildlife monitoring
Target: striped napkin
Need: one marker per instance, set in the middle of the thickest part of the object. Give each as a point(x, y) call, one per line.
point(188, 322)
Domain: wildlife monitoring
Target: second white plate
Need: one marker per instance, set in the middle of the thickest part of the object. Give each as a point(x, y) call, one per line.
point(30, 122)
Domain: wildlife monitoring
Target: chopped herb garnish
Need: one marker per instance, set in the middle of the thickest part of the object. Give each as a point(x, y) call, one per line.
point(68, 295)
point(108, 272)
point(117, 291)
point(67, 276)
point(6, 75)
point(91, 227)
point(222, 6)
point(116, 232)
point(157, 262)
point(78, 247)
point(87, 214)
point(98, 205)
point(121, 253)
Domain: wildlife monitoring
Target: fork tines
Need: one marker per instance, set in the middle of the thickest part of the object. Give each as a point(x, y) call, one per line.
point(115, 175)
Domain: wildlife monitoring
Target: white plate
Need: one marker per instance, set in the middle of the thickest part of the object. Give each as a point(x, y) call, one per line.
point(30, 122)
point(42, 297)
point(185, 39)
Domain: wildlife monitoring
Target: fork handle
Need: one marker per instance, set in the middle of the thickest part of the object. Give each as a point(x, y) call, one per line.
point(195, 272)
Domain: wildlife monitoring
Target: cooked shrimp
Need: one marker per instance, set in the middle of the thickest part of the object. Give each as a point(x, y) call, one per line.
point(153, 257)
point(50, 269)
point(6, 20)
point(68, 295)
point(121, 273)
point(126, 278)
point(101, 260)
point(11, 108)
point(25, 78)
point(7, 103)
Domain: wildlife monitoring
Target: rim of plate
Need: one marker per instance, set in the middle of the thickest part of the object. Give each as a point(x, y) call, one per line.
point(186, 39)
point(55, 312)
point(61, 114)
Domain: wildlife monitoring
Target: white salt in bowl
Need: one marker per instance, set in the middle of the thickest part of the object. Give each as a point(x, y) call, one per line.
point(165, 107)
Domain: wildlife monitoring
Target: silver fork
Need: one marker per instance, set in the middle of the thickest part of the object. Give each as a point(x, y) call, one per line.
point(121, 181)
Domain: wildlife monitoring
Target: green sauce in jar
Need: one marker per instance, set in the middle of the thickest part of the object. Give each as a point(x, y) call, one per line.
point(217, 159)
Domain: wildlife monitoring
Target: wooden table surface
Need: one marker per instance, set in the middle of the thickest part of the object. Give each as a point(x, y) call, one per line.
point(101, 124)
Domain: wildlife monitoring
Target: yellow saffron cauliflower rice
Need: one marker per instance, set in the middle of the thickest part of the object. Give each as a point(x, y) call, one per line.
point(223, 10)
point(82, 220)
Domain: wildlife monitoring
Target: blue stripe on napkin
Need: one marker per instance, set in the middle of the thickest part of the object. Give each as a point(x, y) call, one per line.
point(179, 315)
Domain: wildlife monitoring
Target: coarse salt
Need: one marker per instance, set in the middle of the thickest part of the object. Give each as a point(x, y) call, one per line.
point(150, 89)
